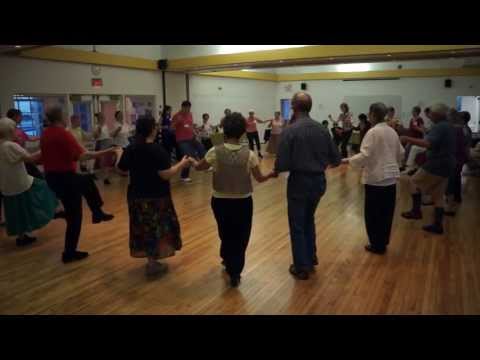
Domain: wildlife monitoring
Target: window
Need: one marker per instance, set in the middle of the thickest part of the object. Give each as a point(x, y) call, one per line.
point(32, 113)
point(83, 109)
point(285, 106)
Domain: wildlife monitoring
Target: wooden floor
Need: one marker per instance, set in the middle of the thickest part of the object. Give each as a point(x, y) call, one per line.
point(421, 273)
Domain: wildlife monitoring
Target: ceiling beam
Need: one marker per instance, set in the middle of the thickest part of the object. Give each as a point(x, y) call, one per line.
point(319, 54)
point(363, 75)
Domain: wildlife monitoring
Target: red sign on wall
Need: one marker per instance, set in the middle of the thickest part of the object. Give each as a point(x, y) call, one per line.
point(97, 83)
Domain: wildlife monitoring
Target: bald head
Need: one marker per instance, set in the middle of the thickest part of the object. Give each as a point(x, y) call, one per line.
point(439, 112)
point(301, 103)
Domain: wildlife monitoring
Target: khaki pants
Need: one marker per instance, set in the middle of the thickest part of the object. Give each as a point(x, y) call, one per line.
point(429, 184)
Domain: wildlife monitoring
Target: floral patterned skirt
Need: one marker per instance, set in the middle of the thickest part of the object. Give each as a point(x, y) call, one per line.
point(154, 228)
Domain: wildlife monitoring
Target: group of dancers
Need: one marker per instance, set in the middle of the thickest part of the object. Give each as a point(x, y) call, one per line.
point(304, 148)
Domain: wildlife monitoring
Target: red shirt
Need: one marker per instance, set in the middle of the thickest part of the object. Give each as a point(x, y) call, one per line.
point(21, 137)
point(183, 126)
point(251, 124)
point(60, 150)
point(415, 133)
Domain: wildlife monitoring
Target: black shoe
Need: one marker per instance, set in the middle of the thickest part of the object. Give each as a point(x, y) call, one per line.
point(98, 218)
point(94, 177)
point(374, 250)
point(315, 260)
point(77, 255)
point(299, 274)
point(434, 229)
point(107, 182)
point(25, 240)
point(412, 215)
point(260, 155)
point(449, 213)
point(402, 169)
point(235, 281)
point(60, 215)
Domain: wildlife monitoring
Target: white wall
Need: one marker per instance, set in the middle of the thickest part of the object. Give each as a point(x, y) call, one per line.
point(154, 52)
point(29, 76)
point(176, 90)
point(212, 95)
point(328, 94)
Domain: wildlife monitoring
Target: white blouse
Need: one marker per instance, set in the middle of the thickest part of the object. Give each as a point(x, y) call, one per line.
point(14, 178)
point(122, 137)
point(380, 156)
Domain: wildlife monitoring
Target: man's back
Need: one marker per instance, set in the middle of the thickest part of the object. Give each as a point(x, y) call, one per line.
point(306, 146)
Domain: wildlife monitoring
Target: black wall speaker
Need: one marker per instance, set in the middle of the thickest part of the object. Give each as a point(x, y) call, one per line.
point(303, 86)
point(162, 64)
point(448, 83)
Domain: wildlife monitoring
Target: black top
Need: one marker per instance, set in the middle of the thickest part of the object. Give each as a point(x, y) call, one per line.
point(143, 161)
point(306, 146)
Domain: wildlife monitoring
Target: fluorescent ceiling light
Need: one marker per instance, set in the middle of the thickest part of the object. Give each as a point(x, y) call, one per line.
point(235, 49)
point(353, 67)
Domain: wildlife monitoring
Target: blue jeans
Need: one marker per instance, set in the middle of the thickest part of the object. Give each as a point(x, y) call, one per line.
point(303, 194)
point(193, 149)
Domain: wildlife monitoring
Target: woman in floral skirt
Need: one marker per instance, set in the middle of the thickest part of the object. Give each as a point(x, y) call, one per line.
point(154, 227)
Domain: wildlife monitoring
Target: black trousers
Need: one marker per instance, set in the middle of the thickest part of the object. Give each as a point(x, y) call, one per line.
point(69, 188)
point(454, 186)
point(207, 144)
point(345, 139)
point(379, 210)
point(253, 136)
point(234, 221)
point(1, 197)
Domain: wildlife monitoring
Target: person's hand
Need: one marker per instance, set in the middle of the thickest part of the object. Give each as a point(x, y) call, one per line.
point(345, 161)
point(185, 162)
point(193, 161)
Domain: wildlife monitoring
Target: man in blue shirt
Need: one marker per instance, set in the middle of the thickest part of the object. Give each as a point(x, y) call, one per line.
point(432, 177)
point(305, 150)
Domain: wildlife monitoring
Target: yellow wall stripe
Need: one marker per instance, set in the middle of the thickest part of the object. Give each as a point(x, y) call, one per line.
point(309, 52)
point(253, 75)
point(86, 57)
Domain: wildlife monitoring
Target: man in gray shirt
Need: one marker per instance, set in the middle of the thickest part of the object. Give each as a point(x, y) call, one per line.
point(305, 150)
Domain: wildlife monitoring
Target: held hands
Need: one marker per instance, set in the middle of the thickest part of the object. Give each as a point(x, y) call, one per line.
point(345, 161)
point(186, 162)
point(272, 175)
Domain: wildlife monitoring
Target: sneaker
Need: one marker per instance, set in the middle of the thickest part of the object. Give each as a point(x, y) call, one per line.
point(434, 229)
point(25, 240)
point(299, 274)
point(210, 169)
point(76, 256)
point(315, 260)
point(186, 180)
point(98, 218)
point(107, 182)
point(449, 213)
point(155, 269)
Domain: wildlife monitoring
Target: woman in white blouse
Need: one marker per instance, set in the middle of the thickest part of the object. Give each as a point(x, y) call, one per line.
point(380, 156)
point(103, 141)
point(29, 203)
point(122, 131)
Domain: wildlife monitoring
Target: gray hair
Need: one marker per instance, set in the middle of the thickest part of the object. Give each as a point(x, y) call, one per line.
point(7, 127)
point(439, 109)
point(379, 111)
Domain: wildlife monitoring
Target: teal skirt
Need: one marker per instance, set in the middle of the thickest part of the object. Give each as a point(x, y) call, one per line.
point(30, 210)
